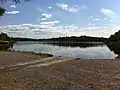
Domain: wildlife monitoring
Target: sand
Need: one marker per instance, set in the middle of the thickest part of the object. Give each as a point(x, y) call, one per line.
point(23, 71)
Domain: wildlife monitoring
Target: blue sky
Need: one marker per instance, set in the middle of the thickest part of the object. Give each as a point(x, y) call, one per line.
point(53, 18)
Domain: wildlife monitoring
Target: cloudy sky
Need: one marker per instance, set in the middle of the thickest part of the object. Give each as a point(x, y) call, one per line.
point(54, 18)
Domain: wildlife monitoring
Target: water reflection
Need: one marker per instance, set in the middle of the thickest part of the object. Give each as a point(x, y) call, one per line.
point(80, 44)
point(68, 50)
point(115, 47)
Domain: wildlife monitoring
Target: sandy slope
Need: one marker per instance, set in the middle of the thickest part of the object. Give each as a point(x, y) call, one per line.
point(20, 71)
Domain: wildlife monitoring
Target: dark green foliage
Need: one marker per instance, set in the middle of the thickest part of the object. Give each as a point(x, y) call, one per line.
point(114, 46)
point(16, 1)
point(76, 44)
point(4, 37)
point(114, 43)
point(115, 37)
point(2, 11)
point(67, 39)
point(25, 39)
point(5, 41)
point(77, 39)
point(5, 46)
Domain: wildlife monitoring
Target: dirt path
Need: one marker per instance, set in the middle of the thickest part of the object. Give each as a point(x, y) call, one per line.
point(17, 60)
point(31, 72)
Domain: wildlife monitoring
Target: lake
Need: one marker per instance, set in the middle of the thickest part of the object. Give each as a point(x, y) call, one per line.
point(94, 50)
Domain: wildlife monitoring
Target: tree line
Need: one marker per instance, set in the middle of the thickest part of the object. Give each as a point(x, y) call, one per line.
point(66, 39)
point(77, 39)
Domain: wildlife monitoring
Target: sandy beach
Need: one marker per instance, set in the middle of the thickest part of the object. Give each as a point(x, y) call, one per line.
point(25, 71)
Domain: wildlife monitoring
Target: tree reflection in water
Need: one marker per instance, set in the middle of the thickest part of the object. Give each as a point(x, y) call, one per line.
point(115, 47)
point(76, 44)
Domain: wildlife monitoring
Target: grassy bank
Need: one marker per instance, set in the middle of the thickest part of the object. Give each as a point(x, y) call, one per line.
point(39, 54)
point(28, 52)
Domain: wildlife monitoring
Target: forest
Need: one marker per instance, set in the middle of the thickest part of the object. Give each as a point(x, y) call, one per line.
point(114, 43)
point(5, 41)
point(77, 39)
point(66, 39)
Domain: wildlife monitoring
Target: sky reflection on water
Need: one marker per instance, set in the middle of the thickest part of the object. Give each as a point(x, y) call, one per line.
point(68, 50)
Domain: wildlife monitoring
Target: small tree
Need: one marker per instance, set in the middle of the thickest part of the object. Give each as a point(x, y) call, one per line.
point(2, 10)
point(16, 1)
point(4, 37)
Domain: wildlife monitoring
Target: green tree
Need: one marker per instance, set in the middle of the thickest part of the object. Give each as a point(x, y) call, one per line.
point(2, 10)
point(115, 37)
point(4, 37)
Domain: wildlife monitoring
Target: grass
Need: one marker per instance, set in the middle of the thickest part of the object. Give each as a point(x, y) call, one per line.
point(4, 51)
point(28, 52)
point(41, 54)
point(33, 53)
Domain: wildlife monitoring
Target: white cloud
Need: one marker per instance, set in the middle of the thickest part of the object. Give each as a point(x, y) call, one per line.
point(47, 16)
point(31, 31)
point(81, 7)
point(105, 18)
point(91, 17)
point(96, 19)
point(13, 6)
point(42, 10)
point(50, 29)
point(109, 13)
point(63, 6)
point(110, 20)
point(91, 24)
point(50, 7)
point(13, 12)
point(43, 19)
point(50, 22)
point(73, 8)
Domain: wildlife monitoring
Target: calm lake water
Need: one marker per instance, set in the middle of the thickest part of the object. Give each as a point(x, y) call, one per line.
point(68, 50)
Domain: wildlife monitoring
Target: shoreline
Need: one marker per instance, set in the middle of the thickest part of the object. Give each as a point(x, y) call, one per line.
point(29, 52)
point(31, 71)
point(51, 55)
